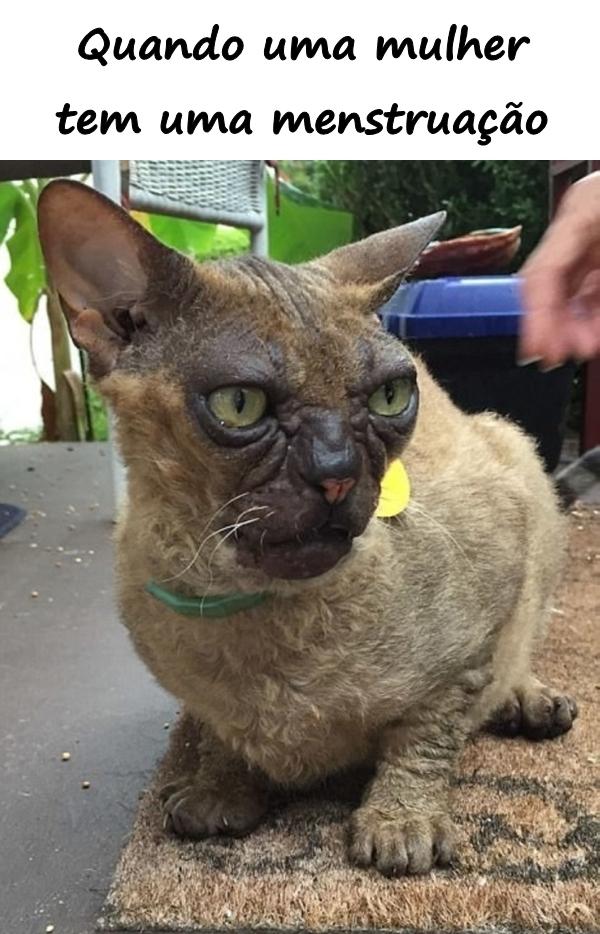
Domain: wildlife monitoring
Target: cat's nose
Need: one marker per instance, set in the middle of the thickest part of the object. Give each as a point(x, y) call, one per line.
point(337, 490)
point(326, 455)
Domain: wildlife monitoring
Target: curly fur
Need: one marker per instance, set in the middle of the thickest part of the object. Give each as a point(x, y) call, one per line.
point(415, 639)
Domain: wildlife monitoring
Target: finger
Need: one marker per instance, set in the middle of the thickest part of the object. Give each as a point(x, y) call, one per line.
point(585, 310)
point(557, 324)
point(551, 277)
point(543, 321)
point(570, 249)
point(584, 339)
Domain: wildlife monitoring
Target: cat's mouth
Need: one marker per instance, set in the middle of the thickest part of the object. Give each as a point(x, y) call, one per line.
point(309, 554)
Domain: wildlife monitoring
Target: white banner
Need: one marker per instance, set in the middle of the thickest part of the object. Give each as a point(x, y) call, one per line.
point(305, 80)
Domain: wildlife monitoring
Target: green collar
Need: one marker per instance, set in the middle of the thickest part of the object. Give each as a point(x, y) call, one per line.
point(213, 606)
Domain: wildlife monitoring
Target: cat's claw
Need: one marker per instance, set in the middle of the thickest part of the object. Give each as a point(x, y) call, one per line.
point(190, 812)
point(400, 845)
point(536, 713)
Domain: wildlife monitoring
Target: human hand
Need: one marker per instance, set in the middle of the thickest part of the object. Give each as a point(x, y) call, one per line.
point(561, 282)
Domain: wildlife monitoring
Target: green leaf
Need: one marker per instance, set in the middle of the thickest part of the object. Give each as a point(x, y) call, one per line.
point(189, 237)
point(27, 276)
point(8, 197)
point(198, 239)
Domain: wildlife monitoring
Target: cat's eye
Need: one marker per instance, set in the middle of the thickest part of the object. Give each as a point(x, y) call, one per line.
point(392, 398)
point(238, 406)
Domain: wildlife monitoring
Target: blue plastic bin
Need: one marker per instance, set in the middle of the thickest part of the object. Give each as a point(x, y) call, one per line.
point(466, 330)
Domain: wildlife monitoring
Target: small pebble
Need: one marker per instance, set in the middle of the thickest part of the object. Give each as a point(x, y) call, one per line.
point(60, 548)
point(166, 726)
point(71, 528)
point(78, 560)
point(58, 564)
point(66, 756)
point(35, 593)
point(85, 785)
point(91, 551)
point(49, 928)
point(33, 545)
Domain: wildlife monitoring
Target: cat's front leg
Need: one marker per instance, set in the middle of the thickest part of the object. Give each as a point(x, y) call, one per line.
point(403, 824)
point(223, 797)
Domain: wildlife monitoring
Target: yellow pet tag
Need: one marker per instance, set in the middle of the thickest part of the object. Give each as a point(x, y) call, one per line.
point(395, 491)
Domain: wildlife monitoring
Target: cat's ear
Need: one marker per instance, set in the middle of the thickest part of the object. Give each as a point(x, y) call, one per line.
point(385, 257)
point(100, 262)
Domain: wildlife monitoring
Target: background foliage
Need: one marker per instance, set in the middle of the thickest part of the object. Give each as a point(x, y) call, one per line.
point(26, 276)
point(476, 195)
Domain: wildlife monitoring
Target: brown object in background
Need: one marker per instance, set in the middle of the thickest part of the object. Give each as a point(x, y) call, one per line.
point(477, 253)
point(528, 815)
point(50, 431)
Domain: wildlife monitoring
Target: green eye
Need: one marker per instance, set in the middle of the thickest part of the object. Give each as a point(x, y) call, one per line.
point(392, 398)
point(238, 406)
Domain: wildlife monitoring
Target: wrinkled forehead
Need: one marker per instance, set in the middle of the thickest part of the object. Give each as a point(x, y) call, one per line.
point(322, 334)
point(267, 323)
point(276, 295)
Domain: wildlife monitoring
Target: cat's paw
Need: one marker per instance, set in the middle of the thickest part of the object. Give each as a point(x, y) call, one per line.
point(400, 844)
point(193, 811)
point(537, 712)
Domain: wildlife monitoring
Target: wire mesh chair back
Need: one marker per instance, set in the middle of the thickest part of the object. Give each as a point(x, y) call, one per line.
point(218, 191)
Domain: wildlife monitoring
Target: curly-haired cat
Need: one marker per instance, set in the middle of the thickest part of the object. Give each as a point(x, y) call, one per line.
point(257, 407)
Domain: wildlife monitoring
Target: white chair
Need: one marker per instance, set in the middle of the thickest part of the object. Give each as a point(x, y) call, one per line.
point(228, 191)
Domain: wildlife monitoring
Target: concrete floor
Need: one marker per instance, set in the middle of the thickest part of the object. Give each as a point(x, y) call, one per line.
point(69, 682)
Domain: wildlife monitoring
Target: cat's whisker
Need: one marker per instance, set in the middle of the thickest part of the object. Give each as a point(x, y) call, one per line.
point(222, 541)
point(253, 509)
point(217, 512)
point(196, 554)
point(232, 531)
point(261, 543)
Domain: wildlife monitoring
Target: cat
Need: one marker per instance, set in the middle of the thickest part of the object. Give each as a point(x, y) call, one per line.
point(257, 407)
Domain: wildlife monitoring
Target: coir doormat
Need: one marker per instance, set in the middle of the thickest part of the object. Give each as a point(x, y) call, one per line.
point(529, 817)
